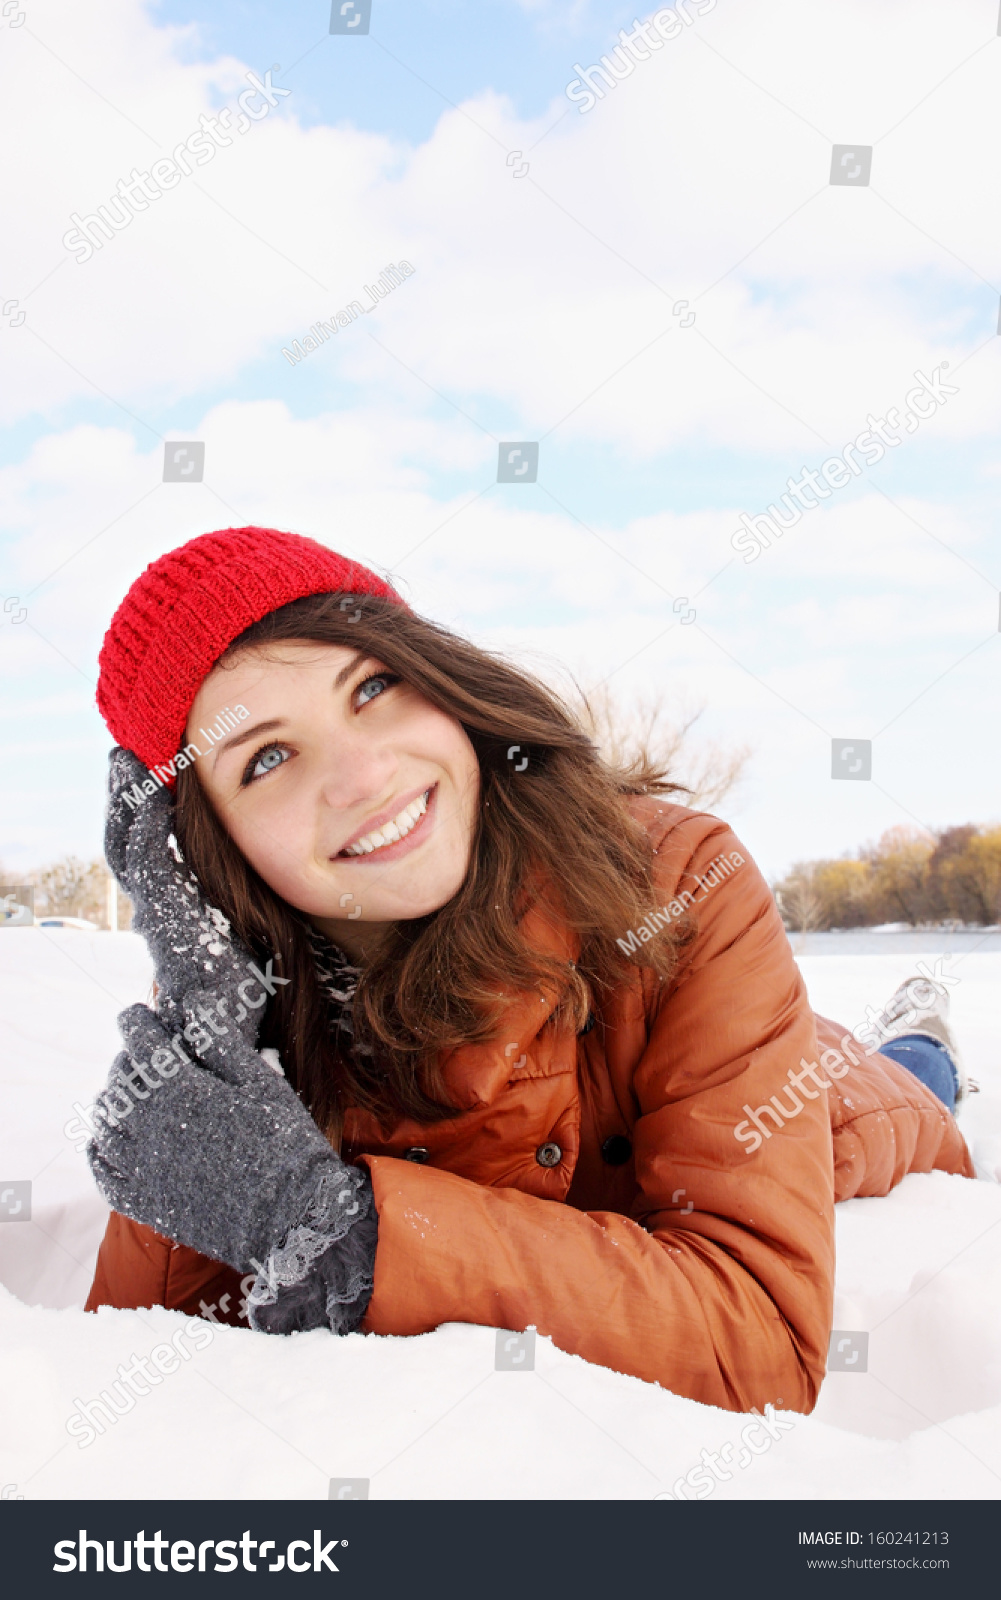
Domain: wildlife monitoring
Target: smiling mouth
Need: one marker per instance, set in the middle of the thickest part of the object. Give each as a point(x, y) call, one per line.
point(391, 832)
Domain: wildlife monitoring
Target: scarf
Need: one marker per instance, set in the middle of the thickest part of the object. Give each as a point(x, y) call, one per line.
point(338, 981)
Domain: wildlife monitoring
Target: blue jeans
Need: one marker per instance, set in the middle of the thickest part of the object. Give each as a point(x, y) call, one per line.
point(929, 1061)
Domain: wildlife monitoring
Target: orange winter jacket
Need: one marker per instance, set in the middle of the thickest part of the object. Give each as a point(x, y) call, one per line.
point(653, 1194)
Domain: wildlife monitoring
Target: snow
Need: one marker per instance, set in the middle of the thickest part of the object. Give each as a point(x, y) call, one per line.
point(249, 1416)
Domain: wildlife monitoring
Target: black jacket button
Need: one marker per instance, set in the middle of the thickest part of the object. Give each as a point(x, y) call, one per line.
point(616, 1150)
point(549, 1154)
point(417, 1152)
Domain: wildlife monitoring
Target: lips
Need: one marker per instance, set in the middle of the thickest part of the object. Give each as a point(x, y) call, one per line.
point(395, 834)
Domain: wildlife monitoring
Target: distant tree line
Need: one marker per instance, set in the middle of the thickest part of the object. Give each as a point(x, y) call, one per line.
point(908, 876)
point(70, 887)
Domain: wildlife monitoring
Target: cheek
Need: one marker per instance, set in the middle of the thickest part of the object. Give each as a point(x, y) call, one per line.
point(276, 853)
point(458, 758)
point(424, 733)
point(466, 775)
point(450, 744)
point(469, 779)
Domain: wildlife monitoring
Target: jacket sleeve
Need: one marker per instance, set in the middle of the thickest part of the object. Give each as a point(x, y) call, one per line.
point(719, 1285)
point(886, 1123)
point(137, 1267)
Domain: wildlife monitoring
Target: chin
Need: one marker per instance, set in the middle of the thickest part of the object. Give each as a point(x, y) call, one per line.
point(406, 910)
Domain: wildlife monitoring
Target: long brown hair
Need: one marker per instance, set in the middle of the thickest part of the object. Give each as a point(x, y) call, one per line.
point(435, 982)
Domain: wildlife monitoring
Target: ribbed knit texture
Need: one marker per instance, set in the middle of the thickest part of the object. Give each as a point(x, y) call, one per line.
point(187, 607)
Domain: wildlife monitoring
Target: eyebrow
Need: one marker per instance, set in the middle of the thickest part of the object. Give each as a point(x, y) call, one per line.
point(274, 723)
point(247, 734)
point(352, 666)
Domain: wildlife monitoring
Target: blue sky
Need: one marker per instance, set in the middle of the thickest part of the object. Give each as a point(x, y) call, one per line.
point(415, 59)
point(541, 307)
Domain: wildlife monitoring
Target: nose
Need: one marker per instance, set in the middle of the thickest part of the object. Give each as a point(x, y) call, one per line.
point(356, 771)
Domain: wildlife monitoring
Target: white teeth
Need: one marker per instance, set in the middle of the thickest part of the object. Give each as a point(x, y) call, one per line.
point(390, 832)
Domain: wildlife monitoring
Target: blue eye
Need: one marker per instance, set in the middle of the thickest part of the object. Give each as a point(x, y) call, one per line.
point(265, 761)
point(378, 683)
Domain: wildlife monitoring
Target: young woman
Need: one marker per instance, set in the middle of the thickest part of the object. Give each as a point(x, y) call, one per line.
point(453, 1022)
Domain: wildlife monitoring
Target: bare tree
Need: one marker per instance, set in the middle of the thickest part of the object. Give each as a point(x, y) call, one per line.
point(972, 877)
point(799, 899)
point(70, 887)
point(899, 862)
point(909, 875)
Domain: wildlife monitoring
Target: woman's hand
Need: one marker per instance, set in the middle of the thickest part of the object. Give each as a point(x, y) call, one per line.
point(192, 944)
point(197, 1136)
point(227, 1163)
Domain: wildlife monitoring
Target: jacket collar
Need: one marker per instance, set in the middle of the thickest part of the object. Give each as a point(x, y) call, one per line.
point(475, 1074)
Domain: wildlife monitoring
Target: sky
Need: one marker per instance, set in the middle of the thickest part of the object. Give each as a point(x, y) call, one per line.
point(659, 284)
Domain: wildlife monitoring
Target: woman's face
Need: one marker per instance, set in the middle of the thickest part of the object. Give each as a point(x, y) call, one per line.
point(352, 796)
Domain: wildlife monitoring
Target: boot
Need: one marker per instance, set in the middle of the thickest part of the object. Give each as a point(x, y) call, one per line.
point(918, 1006)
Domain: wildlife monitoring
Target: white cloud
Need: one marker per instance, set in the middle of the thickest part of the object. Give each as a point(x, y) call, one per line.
point(834, 631)
point(539, 303)
point(531, 293)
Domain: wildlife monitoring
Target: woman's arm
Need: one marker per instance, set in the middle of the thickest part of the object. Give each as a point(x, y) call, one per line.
point(730, 1302)
point(217, 1152)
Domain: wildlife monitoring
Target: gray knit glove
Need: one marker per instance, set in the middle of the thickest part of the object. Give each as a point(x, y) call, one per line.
point(191, 942)
point(236, 1168)
point(197, 1136)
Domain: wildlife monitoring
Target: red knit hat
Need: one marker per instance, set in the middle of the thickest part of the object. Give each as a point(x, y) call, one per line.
point(180, 615)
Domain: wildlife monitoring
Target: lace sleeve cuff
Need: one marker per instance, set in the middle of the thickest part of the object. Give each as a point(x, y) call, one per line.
point(321, 1275)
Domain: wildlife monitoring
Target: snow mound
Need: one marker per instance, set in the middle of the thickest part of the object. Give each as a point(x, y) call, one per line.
point(232, 1414)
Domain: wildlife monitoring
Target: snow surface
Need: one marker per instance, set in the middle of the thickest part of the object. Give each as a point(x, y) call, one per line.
point(255, 1417)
